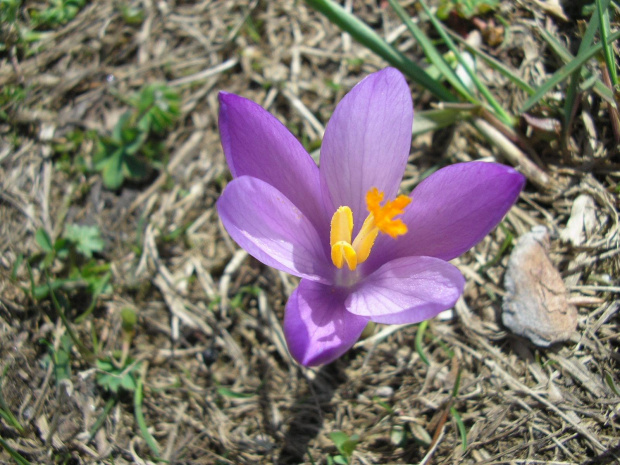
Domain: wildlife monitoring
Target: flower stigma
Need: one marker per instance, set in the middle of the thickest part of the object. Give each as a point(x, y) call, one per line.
point(381, 218)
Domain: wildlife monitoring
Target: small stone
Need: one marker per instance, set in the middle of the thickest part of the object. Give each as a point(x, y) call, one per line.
point(536, 303)
point(384, 391)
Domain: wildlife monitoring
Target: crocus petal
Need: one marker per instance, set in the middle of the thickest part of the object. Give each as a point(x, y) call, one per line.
point(317, 327)
point(256, 144)
point(407, 290)
point(263, 221)
point(367, 142)
point(454, 209)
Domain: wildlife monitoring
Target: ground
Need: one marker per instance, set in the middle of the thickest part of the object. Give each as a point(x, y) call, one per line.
point(162, 341)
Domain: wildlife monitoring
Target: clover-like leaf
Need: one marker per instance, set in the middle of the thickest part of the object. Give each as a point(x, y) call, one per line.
point(113, 378)
point(87, 239)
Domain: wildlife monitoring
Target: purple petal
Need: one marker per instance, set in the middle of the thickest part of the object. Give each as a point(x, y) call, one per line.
point(256, 144)
point(273, 230)
point(317, 327)
point(454, 209)
point(367, 142)
point(407, 290)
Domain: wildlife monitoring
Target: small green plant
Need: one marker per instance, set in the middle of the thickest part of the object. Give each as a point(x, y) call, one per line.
point(9, 29)
point(466, 97)
point(465, 8)
point(9, 10)
point(237, 301)
point(60, 358)
point(14, 34)
point(130, 14)
point(134, 145)
point(73, 252)
point(346, 446)
point(10, 97)
point(56, 13)
point(112, 376)
point(86, 239)
point(70, 150)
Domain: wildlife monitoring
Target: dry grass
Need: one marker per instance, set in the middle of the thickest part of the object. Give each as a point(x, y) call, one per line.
point(199, 329)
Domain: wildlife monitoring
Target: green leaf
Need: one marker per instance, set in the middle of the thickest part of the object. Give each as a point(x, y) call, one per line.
point(16, 265)
point(135, 168)
point(97, 284)
point(62, 359)
point(461, 426)
point(112, 170)
point(344, 443)
point(223, 391)
point(134, 139)
point(132, 15)
point(44, 240)
point(361, 32)
point(87, 239)
point(112, 378)
point(159, 106)
point(611, 384)
point(57, 13)
point(124, 121)
point(43, 291)
point(604, 28)
point(432, 120)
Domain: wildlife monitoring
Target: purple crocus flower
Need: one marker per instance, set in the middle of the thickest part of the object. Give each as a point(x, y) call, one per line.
point(363, 253)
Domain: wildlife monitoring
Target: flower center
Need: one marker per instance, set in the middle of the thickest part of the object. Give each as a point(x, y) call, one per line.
point(379, 219)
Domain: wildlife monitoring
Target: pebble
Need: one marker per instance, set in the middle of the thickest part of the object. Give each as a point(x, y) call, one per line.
point(384, 391)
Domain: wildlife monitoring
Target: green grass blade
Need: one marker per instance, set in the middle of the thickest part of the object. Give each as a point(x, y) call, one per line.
point(99, 423)
point(361, 32)
point(499, 111)
point(564, 72)
point(432, 120)
point(571, 91)
point(569, 103)
point(611, 384)
point(97, 291)
point(457, 384)
point(461, 426)
point(558, 48)
point(5, 411)
point(419, 341)
point(19, 458)
point(497, 65)
point(61, 313)
point(432, 53)
point(603, 17)
point(137, 409)
point(507, 242)
point(592, 29)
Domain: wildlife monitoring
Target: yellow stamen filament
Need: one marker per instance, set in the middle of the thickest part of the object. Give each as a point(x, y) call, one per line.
point(380, 219)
